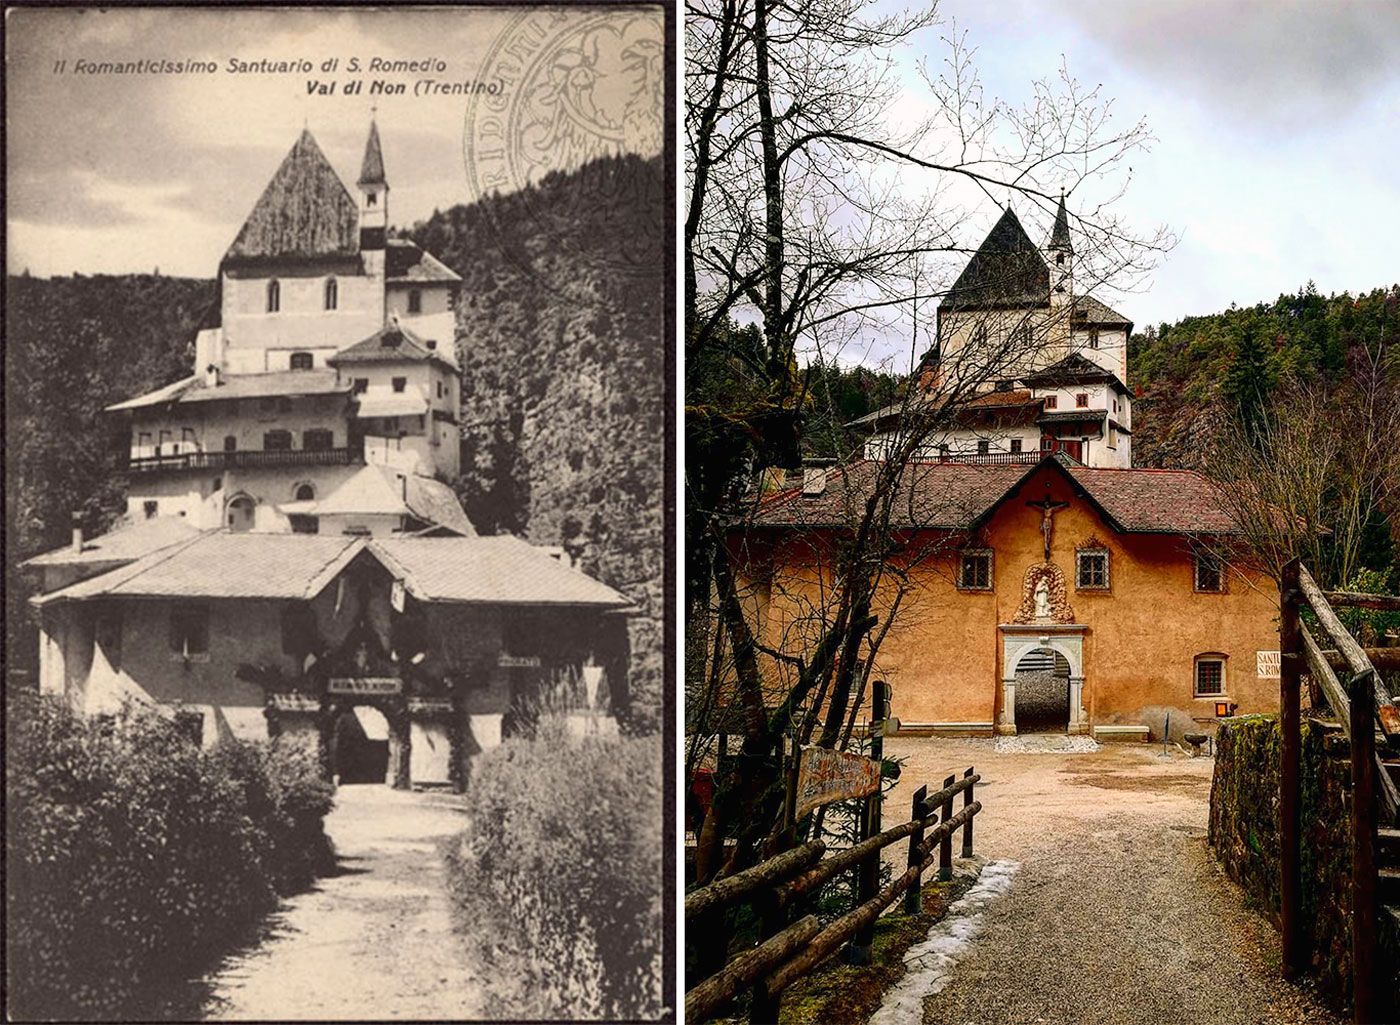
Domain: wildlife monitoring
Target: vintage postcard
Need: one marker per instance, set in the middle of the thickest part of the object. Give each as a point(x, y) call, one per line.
point(338, 487)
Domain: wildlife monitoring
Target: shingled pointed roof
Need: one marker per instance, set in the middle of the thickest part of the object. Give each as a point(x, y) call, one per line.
point(1007, 270)
point(372, 169)
point(961, 496)
point(1073, 369)
point(305, 211)
point(1059, 235)
point(392, 343)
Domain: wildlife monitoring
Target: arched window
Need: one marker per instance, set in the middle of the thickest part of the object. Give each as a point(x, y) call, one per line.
point(240, 513)
point(274, 296)
point(301, 361)
point(332, 293)
point(305, 493)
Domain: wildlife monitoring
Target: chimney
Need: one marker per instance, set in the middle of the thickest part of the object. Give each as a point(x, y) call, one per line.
point(77, 520)
point(813, 481)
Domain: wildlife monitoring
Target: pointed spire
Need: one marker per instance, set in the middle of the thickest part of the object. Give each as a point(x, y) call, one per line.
point(372, 169)
point(1059, 236)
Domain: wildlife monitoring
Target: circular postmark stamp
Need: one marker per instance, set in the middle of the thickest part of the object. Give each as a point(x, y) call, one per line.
point(574, 136)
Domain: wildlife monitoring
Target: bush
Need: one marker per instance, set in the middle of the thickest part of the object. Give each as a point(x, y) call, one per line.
point(134, 855)
point(557, 883)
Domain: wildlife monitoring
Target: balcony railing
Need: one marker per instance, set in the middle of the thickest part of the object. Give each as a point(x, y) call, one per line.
point(997, 458)
point(246, 460)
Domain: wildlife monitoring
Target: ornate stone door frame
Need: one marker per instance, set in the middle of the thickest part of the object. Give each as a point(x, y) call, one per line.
point(1019, 638)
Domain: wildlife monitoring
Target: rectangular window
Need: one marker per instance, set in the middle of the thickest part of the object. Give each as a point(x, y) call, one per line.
point(983, 447)
point(1093, 338)
point(318, 440)
point(143, 443)
point(976, 571)
point(400, 383)
point(1092, 571)
point(1210, 575)
point(361, 385)
point(187, 441)
point(277, 441)
point(189, 631)
point(1081, 400)
point(150, 509)
point(415, 301)
point(1210, 677)
point(164, 449)
point(1052, 401)
point(1015, 444)
point(303, 360)
point(305, 524)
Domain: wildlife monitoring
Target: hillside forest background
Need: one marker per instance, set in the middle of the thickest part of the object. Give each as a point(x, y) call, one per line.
point(554, 334)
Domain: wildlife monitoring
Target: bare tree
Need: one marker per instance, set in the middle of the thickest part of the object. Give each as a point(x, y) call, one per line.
point(1311, 472)
point(814, 210)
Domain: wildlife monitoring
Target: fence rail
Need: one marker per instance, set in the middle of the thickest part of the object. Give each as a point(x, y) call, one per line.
point(776, 887)
point(1364, 707)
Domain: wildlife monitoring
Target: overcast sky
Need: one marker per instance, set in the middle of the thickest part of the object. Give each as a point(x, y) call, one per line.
point(1277, 124)
point(125, 173)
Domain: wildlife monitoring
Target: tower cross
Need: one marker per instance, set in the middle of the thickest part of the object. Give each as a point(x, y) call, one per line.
point(1048, 509)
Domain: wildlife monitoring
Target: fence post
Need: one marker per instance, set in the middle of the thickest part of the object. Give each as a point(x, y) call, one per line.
point(967, 803)
point(1290, 673)
point(945, 847)
point(1365, 999)
point(868, 873)
point(913, 897)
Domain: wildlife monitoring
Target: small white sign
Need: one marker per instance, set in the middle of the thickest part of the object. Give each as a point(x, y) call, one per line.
point(364, 685)
point(1268, 664)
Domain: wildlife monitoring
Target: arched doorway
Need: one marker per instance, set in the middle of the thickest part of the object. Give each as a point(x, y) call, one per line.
point(360, 745)
point(239, 515)
point(1042, 692)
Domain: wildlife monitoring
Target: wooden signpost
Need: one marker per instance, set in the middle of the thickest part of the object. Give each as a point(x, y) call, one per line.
point(824, 776)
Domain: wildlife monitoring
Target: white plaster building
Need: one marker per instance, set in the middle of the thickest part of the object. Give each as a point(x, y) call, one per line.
point(1050, 367)
point(324, 400)
point(332, 348)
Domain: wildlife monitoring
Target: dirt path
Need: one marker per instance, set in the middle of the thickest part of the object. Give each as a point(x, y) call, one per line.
point(1117, 913)
point(374, 941)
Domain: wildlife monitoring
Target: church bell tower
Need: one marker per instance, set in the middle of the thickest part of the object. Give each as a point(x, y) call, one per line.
point(1061, 259)
point(374, 205)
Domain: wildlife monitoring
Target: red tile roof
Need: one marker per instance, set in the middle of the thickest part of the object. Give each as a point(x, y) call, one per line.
point(955, 496)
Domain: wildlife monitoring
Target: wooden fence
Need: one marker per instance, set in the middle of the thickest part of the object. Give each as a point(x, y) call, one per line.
point(775, 888)
point(1364, 707)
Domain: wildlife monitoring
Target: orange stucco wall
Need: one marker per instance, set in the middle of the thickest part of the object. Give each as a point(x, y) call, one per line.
point(944, 655)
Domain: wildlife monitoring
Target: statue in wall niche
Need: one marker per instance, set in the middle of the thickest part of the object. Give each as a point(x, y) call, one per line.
point(1044, 596)
point(1042, 599)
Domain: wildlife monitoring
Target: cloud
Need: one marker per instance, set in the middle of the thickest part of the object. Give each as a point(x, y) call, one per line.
point(1261, 66)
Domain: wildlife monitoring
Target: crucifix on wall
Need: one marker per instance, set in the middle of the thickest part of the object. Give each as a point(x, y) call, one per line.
point(1048, 509)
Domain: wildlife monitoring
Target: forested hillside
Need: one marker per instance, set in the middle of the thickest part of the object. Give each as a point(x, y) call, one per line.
point(1234, 360)
point(562, 334)
point(72, 346)
point(562, 339)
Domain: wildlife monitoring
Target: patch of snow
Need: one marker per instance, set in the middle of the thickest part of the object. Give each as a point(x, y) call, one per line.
point(1044, 743)
point(930, 962)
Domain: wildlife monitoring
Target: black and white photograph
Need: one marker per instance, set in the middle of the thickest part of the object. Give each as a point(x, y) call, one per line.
point(339, 424)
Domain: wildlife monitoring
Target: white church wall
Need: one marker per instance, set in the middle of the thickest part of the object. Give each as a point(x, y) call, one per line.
point(258, 341)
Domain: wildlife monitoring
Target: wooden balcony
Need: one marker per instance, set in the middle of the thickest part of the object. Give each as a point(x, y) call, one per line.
point(246, 460)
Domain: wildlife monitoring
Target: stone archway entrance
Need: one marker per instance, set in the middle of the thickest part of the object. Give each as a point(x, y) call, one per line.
point(1042, 692)
point(1051, 643)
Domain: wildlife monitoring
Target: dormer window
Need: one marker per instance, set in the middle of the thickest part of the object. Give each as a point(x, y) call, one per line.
point(332, 293)
point(301, 361)
point(274, 296)
point(415, 301)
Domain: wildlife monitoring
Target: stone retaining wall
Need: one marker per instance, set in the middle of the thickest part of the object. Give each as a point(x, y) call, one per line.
point(1244, 815)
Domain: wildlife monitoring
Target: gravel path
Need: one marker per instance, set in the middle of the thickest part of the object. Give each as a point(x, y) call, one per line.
point(1117, 913)
point(374, 941)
